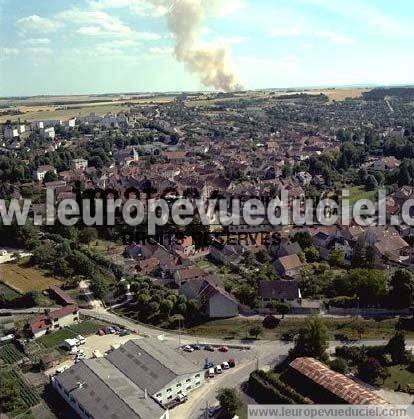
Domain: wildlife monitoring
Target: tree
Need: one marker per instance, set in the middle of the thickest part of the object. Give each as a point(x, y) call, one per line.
point(369, 285)
point(256, 331)
point(339, 365)
point(166, 306)
point(99, 287)
point(337, 258)
point(50, 176)
point(312, 340)
point(371, 183)
point(401, 289)
point(396, 348)
point(283, 309)
point(263, 256)
point(88, 235)
point(311, 254)
point(229, 401)
point(304, 239)
point(370, 370)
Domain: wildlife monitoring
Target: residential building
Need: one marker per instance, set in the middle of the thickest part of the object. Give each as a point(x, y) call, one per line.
point(41, 171)
point(80, 164)
point(48, 133)
point(284, 291)
point(288, 266)
point(10, 133)
point(214, 300)
point(54, 320)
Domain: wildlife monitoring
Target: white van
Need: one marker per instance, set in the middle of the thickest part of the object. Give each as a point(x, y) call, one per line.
point(218, 369)
point(211, 372)
point(225, 365)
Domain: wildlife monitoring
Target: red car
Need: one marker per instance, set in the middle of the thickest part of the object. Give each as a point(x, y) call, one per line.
point(101, 332)
point(223, 349)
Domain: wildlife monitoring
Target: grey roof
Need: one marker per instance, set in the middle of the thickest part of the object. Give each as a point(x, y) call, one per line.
point(150, 364)
point(130, 393)
point(99, 399)
point(140, 367)
point(287, 289)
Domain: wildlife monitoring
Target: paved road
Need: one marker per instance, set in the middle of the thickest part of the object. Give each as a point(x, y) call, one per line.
point(266, 354)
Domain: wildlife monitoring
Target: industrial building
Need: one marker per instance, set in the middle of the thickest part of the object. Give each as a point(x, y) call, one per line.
point(137, 380)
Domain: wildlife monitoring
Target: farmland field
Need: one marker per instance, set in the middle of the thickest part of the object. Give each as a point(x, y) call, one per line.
point(43, 108)
point(9, 354)
point(27, 396)
point(24, 279)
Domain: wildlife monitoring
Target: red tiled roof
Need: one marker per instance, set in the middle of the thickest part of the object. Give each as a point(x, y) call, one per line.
point(336, 383)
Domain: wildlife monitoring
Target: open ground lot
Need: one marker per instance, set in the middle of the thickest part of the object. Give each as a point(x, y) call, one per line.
point(23, 278)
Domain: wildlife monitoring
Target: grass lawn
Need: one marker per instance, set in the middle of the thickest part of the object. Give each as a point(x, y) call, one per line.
point(23, 278)
point(359, 192)
point(399, 378)
point(238, 328)
point(54, 339)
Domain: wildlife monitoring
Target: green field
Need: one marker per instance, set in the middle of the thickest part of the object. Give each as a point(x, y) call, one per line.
point(399, 378)
point(238, 328)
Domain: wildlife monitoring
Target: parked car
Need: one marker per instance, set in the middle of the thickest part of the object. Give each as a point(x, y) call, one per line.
point(101, 332)
point(196, 347)
point(225, 365)
point(208, 365)
point(124, 332)
point(218, 369)
point(188, 348)
point(81, 340)
point(223, 349)
point(232, 363)
point(211, 373)
point(209, 348)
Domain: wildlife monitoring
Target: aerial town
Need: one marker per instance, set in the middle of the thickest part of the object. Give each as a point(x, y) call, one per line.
point(103, 321)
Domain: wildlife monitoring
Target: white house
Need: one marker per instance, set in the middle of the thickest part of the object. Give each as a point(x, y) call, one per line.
point(54, 320)
point(41, 171)
point(49, 133)
point(80, 164)
point(10, 132)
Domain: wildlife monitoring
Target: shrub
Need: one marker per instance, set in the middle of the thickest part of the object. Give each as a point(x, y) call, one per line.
point(339, 365)
point(270, 322)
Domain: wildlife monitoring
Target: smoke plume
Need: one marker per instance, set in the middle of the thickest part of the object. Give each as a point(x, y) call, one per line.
point(185, 18)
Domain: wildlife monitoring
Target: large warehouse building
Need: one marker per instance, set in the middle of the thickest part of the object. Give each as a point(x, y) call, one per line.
point(137, 380)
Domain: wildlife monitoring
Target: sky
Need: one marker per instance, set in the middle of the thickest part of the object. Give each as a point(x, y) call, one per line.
point(111, 46)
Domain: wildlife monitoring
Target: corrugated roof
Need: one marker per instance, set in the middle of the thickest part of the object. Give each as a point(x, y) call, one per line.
point(336, 383)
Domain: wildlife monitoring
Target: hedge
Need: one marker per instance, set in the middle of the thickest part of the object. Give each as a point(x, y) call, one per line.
point(267, 388)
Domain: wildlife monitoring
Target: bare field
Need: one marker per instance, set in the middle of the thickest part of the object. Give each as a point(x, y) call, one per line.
point(24, 279)
point(342, 94)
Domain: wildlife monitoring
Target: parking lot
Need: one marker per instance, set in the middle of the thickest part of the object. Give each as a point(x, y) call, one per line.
point(199, 357)
point(95, 342)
